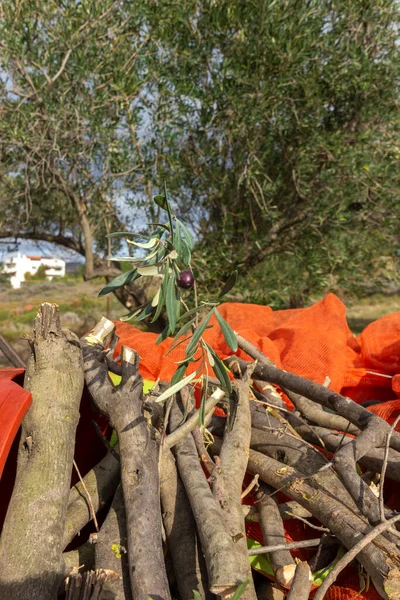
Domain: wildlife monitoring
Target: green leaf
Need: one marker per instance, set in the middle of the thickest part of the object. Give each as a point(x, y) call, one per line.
point(163, 335)
point(175, 388)
point(119, 281)
point(177, 239)
point(117, 234)
point(240, 590)
point(162, 225)
point(229, 284)
point(161, 300)
point(150, 244)
point(227, 331)
point(196, 595)
point(146, 313)
point(220, 370)
point(192, 311)
point(171, 302)
point(168, 209)
point(185, 254)
point(149, 271)
point(198, 333)
point(187, 234)
point(203, 402)
point(179, 373)
point(122, 259)
point(184, 329)
point(161, 201)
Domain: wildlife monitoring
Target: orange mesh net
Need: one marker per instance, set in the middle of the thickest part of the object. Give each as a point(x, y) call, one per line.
point(314, 342)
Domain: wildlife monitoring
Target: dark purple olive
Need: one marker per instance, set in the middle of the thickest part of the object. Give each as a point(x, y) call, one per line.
point(186, 280)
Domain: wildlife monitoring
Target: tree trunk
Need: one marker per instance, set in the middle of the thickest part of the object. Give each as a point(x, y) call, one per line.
point(31, 564)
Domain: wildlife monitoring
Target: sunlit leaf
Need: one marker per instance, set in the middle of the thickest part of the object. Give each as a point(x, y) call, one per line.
point(183, 330)
point(150, 244)
point(156, 298)
point(175, 388)
point(149, 271)
point(227, 331)
point(171, 301)
point(179, 373)
point(187, 234)
point(198, 333)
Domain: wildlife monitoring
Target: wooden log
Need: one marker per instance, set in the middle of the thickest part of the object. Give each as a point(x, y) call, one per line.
point(31, 545)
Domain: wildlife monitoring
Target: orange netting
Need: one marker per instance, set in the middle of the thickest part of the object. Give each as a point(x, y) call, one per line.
point(314, 342)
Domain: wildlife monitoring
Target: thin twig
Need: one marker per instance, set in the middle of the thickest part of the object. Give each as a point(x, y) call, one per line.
point(89, 499)
point(177, 435)
point(383, 470)
point(253, 483)
point(288, 546)
point(317, 527)
point(351, 554)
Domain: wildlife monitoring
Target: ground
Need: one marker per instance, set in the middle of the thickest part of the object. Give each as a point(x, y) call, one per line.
point(81, 309)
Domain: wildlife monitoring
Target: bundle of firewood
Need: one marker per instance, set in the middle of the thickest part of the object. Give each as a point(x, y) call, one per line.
point(166, 502)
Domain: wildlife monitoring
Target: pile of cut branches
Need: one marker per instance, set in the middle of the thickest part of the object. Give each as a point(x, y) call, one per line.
point(168, 499)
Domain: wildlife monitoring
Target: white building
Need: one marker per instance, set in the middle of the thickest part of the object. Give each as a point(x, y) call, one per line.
point(16, 266)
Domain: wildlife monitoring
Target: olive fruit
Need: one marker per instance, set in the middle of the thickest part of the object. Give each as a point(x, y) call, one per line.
point(186, 280)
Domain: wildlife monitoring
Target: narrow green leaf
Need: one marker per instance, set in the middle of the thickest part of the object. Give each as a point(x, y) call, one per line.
point(220, 370)
point(175, 388)
point(184, 329)
point(163, 335)
point(179, 373)
point(187, 234)
point(240, 590)
point(171, 302)
point(119, 281)
point(161, 201)
point(227, 331)
point(146, 313)
point(131, 315)
point(161, 300)
point(117, 234)
point(202, 404)
point(185, 254)
point(198, 333)
point(192, 311)
point(177, 239)
point(168, 209)
point(196, 595)
point(149, 271)
point(122, 258)
point(229, 284)
point(162, 225)
point(156, 298)
point(150, 244)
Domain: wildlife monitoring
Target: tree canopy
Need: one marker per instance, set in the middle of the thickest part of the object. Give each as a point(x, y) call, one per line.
point(273, 124)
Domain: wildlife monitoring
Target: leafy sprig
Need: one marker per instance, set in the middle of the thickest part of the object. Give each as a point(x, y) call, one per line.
point(169, 249)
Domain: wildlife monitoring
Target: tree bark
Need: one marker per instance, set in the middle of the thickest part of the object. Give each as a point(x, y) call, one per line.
point(101, 483)
point(180, 529)
point(111, 549)
point(31, 564)
point(122, 404)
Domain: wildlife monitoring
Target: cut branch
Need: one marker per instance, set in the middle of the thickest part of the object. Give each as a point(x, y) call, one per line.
point(31, 544)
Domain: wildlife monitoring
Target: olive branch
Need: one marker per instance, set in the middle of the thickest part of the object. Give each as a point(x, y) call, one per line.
point(170, 248)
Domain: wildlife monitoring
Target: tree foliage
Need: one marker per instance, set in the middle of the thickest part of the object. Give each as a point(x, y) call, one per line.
point(274, 124)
